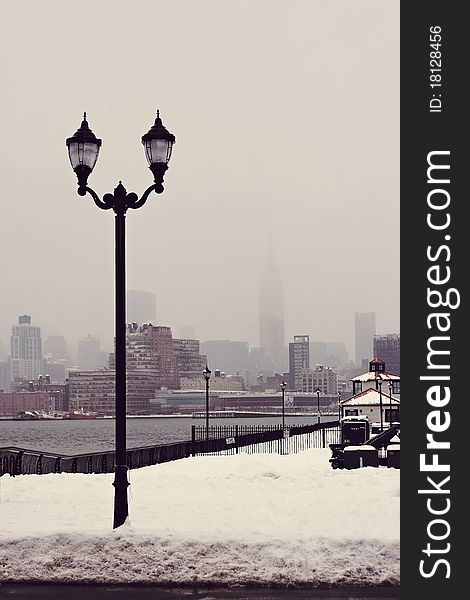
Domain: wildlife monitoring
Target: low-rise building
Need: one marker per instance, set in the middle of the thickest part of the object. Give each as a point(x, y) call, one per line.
point(94, 391)
point(12, 403)
point(321, 378)
point(375, 377)
point(370, 403)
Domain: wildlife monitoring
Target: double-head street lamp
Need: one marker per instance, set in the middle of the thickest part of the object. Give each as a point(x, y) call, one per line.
point(283, 388)
point(207, 375)
point(390, 389)
point(83, 148)
point(318, 405)
point(381, 415)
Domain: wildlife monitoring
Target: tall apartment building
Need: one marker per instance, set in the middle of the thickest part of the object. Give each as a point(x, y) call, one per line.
point(227, 356)
point(299, 360)
point(190, 363)
point(364, 336)
point(25, 350)
point(151, 348)
point(141, 307)
point(90, 355)
point(55, 348)
point(387, 347)
point(5, 378)
point(56, 370)
point(322, 378)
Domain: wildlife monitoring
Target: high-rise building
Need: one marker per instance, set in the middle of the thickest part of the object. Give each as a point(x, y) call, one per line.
point(387, 347)
point(151, 348)
point(364, 336)
point(5, 378)
point(141, 307)
point(56, 370)
point(55, 348)
point(299, 360)
point(190, 362)
point(271, 314)
point(90, 355)
point(227, 356)
point(25, 350)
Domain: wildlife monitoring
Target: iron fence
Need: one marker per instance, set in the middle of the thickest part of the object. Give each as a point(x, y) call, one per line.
point(263, 438)
point(224, 439)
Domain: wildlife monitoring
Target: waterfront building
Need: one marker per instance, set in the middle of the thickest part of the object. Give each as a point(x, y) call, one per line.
point(372, 377)
point(367, 404)
point(12, 403)
point(95, 391)
point(58, 392)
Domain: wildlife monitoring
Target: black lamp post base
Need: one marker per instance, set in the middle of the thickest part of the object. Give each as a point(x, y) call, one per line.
point(121, 508)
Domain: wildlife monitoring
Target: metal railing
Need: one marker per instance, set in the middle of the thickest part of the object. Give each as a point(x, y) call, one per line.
point(231, 439)
point(223, 439)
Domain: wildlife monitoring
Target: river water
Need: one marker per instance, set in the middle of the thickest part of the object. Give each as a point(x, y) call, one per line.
point(80, 437)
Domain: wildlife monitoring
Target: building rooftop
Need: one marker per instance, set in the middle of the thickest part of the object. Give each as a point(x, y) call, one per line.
point(369, 397)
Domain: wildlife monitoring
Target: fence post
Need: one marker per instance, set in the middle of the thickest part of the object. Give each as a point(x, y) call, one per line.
point(323, 436)
point(18, 466)
point(236, 439)
point(193, 439)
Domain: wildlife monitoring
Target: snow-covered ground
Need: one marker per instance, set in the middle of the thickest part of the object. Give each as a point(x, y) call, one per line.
point(262, 519)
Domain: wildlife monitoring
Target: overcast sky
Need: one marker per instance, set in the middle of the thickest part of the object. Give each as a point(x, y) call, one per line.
point(286, 117)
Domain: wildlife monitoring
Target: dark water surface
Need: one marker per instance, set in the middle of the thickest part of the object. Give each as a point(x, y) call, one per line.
point(76, 437)
point(109, 592)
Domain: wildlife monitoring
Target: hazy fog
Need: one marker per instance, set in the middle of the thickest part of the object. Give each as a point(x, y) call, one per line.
point(286, 117)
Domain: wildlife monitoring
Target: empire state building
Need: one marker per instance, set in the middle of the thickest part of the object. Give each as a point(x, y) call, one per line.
point(271, 314)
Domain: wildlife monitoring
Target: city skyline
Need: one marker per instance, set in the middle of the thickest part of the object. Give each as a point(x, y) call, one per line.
point(326, 205)
point(73, 355)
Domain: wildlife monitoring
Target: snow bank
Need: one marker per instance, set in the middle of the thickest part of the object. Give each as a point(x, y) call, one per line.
point(241, 519)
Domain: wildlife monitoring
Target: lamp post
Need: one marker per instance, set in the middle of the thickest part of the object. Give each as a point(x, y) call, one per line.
point(339, 406)
point(283, 387)
point(318, 405)
point(381, 416)
point(390, 389)
point(207, 375)
point(83, 148)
